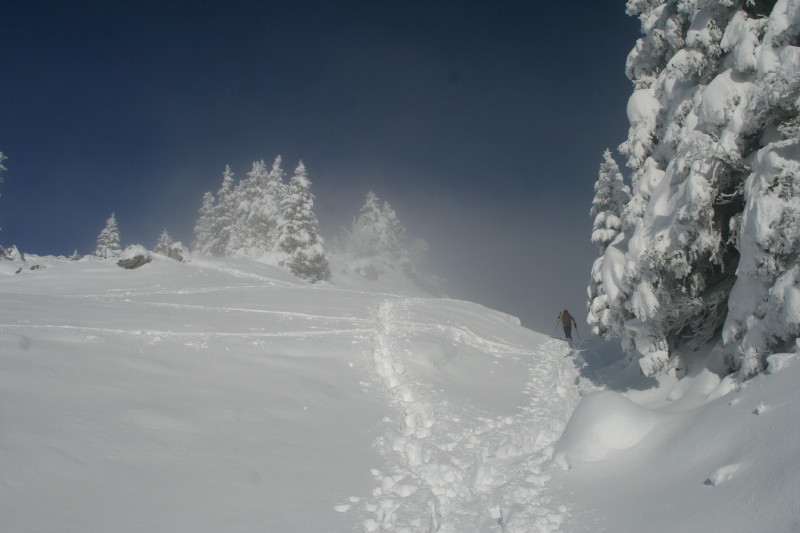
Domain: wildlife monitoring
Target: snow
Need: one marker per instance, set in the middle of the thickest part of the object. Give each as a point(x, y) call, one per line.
point(604, 422)
point(723, 460)
point(133, 251)
point(227, 395)
point(719, 100)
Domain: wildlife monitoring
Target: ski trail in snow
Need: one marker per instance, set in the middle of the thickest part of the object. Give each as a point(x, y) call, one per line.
point(221, 309)
point(453, 470)
point(190, 334)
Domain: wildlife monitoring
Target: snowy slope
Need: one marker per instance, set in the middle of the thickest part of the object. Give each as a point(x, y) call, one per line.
point(695, 455)
point(224, 395)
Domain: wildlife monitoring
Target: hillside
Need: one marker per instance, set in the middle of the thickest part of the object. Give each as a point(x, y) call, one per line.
point(226, 395)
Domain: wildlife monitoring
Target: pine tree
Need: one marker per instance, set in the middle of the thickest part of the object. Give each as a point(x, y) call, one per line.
point(108, 241)
point(215, 226)
point(203, 227)
point(223, 217)
point(394, 239)
point(244, 195)
point(164, 243)
point(611, 197)
point(2, 167)
point(667, 276)
point(369, 233)
point(256, 210)
point(764, 311)
point(298, 234)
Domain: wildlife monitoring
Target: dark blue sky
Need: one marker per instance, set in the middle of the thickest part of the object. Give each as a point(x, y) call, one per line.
point(482, 123)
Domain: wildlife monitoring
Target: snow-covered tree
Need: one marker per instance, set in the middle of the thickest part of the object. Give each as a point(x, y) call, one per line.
point(164, 243)
point(764, 314)
point(377, 242)
point(377, 231)
point(764, 308)
point(203, 229)
point(714, 84)
point(223, 217)
point(363, 239)
point(214, 228)
point(611, 197)
point(108, 241)
point(256, 210)
point(2, 167)
point(298, 234)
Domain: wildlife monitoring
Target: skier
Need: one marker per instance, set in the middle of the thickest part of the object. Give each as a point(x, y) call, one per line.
point(567, 320)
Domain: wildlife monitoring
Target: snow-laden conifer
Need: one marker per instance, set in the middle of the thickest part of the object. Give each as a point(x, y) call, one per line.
point(164, 243)
point(377, 242)
point(714, 83)
point(203, 234)
point(298, 234)
point(2, 167)
point(223, 219)
point(378, 232)
point(108, 241)
point(256, 210)
point(365, 236)
point(611, 197)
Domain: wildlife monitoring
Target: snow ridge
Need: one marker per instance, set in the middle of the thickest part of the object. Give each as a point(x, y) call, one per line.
point(455, 468)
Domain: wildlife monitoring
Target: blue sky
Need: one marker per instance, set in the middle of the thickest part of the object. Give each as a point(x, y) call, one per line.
point(482, 123)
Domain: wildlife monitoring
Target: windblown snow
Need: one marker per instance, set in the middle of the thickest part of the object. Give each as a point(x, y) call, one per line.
point(226, 395)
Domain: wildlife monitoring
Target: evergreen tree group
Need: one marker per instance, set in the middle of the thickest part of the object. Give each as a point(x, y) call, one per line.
point(377, 242)
point(263, 215)
point(705, 246)
point(377, 232)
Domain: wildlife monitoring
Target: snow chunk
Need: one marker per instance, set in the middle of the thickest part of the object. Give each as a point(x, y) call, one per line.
point(722, 474)
point(11, 253)
point(779, 361)
point(741, 37)
point(719, 100)
point(643, 108)
point(602, 423)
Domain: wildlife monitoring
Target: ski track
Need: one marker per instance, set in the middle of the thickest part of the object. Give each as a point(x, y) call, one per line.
point(159, 334)
point(452, 470)
point(221, 309)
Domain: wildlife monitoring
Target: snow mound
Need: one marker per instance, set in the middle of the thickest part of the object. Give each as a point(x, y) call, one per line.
point(722, 474)
point(605, 422)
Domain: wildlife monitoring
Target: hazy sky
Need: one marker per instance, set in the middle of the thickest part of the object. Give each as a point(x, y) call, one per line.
point(482, 123)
